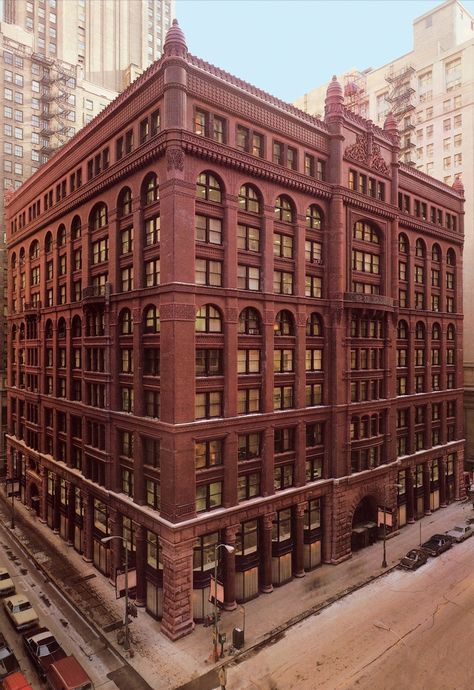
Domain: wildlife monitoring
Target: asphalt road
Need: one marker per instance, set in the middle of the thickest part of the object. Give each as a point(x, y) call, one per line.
point(70, 629)
point(406, 630)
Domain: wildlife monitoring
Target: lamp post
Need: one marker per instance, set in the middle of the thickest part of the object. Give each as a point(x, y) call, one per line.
point(229, 549)
point(105, 540)
point(384, 559)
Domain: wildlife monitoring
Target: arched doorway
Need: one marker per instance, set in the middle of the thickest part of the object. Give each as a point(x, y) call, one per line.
point(364, 523)
point(35, 502)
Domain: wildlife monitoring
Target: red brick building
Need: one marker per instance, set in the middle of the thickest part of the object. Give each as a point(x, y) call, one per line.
point(231, 322)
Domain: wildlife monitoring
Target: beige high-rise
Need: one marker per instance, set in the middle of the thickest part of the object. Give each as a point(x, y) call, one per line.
point(61, 63)
point(431, 92)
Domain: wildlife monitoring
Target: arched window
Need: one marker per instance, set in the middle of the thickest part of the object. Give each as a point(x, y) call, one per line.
point(13, 331)
point(22, 330)
point(76, 228)
point(124, 205)
point(48, 329)
point(284, 323)
point(208, 319)
point(249, 322)
point(13, 260)
point(284, 209)
point(76, 327)
point(314, 326)
point(436, 332)
point(402, 330)
point(126, 322)
point(420, 330)
point(313, 217)
point(450, 258)
point(420, 249)
point(152, 320)
point(34, 250)
point(208, 187)
point(98, 217)
point(22, 256)
point(450, 332)
point(61, 328)
point(249, 199)
point(436, 253)
point(150, 189)
point(402, 244)
point(48, 243)
point(61, 236)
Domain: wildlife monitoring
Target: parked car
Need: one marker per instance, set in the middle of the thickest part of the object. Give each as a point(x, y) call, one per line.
point(42, 648)
point(461, 532)
point(8, 661)
point(15, 681)
point(437, 544)
point(6, 583)
point(68, 674)
point(21, 612)
point(413, 559)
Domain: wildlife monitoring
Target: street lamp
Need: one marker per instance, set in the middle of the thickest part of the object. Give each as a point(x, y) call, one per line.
point(384, 560)
point(105, 540)
point(229, 549)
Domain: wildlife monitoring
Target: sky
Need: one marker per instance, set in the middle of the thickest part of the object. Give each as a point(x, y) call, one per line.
point(288, 47)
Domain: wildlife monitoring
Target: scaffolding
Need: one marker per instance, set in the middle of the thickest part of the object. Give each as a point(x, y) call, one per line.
point(355, 93)
point(401, 98)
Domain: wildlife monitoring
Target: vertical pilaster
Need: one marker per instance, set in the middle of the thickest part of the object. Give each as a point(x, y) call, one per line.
point(229, 576)
point(265, 569)
point(177, 618)
point(298, 549)
point(140, 557)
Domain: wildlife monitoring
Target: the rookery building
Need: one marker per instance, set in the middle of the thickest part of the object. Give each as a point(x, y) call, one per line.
point(231, 322)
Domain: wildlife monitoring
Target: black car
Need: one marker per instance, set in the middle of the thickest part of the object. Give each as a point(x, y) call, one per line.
point(413, 559)
point(437, 544)
point(8, 661)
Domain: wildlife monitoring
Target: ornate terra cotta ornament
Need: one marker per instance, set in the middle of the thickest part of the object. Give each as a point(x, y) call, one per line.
point(175, 158)
point(378, 162)
point(360, 150)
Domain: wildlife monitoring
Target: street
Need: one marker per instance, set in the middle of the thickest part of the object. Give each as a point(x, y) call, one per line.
point(405, 630)
point(71, 631)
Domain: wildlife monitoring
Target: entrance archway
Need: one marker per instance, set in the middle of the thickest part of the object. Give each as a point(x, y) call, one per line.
point(35, 501)
point(364, 524)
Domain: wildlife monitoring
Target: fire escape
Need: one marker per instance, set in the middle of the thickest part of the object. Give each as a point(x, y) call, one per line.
point(355, 93)
point(58, 86)
point(400, 97)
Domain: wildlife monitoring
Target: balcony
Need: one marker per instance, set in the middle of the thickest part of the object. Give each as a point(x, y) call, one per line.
point(32, 307)
point(96, 293)
point(369, 300)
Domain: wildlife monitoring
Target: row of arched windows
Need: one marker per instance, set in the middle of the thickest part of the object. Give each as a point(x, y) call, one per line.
point(421, 250)
point(420, 331)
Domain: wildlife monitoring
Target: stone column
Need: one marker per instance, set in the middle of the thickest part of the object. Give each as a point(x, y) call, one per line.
point(140, 556)
point(177, 618)
point(427, 488)
point(88, 524)
point(139, 490)
point(229, 575)
point(410, 496)
point(265, 569)
point(115, 545)
point(57, 504)
point(71, 514)
point(43, 494)
point(298, 549)
point(442, 482)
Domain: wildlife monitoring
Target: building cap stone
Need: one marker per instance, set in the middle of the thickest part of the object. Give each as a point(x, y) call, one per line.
point(334, 103)
point(175, 42)
point(390, 124)
point(458, 185)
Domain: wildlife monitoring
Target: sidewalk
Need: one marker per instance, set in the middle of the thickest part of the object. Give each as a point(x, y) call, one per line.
point(187, 664)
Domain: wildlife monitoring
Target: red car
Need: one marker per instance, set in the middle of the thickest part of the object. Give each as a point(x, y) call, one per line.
point(42, 648)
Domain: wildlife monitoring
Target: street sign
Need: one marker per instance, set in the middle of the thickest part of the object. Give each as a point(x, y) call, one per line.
point(120, 583)
point(387, 520)
point(219, 595)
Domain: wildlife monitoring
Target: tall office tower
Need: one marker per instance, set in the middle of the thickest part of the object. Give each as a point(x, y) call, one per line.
point(61, 62)
point(429, 90)
point(214, 338)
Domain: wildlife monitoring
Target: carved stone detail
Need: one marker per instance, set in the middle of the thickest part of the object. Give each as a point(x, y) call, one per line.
point(177, 312)
point(174, 158)
point(378, 162)
point(360, 150)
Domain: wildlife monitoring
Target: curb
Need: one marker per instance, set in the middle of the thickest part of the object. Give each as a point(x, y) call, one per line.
point(64, 594)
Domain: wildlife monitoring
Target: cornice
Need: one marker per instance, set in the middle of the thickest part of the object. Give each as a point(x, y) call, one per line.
point(256, 167)
point(427, 228)
point(427, 180)
point(365, 203)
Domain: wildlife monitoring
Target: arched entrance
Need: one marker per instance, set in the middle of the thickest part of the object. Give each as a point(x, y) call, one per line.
point(364, 524)
point(35, 502)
